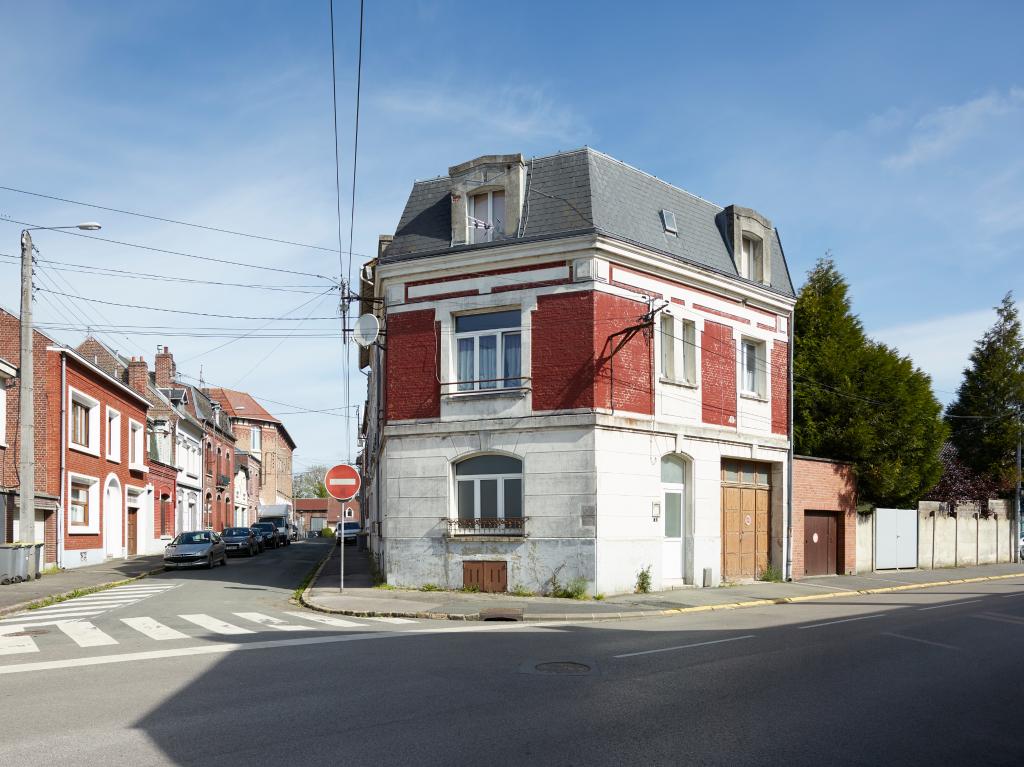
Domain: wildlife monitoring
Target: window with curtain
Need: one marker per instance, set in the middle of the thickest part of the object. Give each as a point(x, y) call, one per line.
point(489, 487)
point(753, 259)
point(753, 368)
point(486, 217)
point(488, 351)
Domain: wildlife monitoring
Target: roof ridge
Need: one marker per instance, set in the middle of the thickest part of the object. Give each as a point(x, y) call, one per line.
point(624, 164)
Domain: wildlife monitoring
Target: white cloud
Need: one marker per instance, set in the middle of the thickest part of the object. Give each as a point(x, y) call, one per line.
point(943, 130)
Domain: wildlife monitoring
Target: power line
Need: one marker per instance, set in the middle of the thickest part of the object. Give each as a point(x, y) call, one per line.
point(168, 252)
point(165, 220)
point(184, 311)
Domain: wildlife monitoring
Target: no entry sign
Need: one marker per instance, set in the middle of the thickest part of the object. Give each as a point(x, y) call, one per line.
point(342, 482)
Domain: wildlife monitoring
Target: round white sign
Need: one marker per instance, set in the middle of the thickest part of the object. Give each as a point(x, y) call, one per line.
point(814, 537)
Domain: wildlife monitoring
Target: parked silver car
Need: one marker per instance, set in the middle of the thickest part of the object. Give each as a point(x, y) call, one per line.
point(199, 548)
point(240, 540)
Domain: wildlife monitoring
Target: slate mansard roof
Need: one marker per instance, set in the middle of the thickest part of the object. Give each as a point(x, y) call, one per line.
point(583, 192)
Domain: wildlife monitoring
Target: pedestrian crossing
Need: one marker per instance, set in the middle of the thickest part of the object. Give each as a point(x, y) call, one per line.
point(89, 606)
point(20, 637)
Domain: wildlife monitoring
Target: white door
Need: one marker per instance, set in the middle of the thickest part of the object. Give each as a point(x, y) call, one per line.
point(113, 539)
point(672, 546)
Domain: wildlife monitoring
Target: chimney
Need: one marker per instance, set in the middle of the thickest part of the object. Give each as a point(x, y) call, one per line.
point(383, 241)
point(138, 375)
point(166, 375)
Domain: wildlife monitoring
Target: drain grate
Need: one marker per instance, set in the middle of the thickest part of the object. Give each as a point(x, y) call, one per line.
point(562, 667)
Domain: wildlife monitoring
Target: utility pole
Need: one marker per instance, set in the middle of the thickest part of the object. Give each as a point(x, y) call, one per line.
point(27, 439)
point(1016, 497)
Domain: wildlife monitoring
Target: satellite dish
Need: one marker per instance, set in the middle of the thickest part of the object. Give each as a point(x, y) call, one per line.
point(366, 330)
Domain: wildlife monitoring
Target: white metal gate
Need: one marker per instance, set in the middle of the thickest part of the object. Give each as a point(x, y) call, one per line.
point(895, 539)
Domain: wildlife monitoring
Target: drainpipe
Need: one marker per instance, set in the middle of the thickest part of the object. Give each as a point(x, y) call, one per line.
point(788, 541)
point(63, 462)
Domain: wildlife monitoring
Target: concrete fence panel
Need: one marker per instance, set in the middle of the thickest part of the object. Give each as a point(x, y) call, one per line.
point(965, 538)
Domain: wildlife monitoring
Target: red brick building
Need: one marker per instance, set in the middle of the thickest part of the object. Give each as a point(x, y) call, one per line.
point(94, 496)
point(824, 517)
point(317, 513)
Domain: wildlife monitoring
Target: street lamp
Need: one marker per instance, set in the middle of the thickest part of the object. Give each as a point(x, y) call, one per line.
point(27, 442)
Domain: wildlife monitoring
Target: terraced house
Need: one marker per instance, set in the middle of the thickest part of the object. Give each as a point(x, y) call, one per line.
point(586, 374)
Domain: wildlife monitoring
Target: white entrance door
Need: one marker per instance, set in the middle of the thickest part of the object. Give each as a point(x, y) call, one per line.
point(113, 538)
point(673, 485)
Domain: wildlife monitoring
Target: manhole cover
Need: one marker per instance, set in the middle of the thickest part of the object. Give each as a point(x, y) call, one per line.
point(562, 667)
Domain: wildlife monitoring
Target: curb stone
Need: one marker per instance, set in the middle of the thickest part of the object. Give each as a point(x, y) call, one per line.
point(313, 580)
point(89, 590)
point(588, 617)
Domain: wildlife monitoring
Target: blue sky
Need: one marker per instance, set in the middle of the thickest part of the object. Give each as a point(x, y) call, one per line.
point(891, 136)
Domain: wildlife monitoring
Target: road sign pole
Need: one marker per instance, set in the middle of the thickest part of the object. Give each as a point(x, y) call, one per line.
point(342, 483)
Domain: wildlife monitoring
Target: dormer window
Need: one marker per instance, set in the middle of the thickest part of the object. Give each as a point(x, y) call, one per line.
point(486, 217)
point(752, 263)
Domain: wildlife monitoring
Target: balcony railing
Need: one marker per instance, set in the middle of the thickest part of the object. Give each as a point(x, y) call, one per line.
point(487, 526)
point(223, 480)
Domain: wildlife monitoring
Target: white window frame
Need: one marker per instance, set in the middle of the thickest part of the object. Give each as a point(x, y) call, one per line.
point(678, 356)
point(500, 383)
point(137, 439)
point(477, 478)
point(478, 236)
point(760, 389)
point(93, 528)
point(3, 412)
point(256, 439)
point(93, 405)
point(747, 257)
point(113, 434)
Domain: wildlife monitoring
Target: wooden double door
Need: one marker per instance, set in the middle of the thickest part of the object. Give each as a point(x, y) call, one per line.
point(746, 519)
point(487, 576)
point(820, 547)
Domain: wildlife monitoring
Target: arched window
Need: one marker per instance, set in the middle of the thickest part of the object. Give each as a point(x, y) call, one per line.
point(673, 488)
point(489, 487)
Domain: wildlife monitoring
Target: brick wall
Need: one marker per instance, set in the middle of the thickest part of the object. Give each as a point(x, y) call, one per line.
point(562, 340)
point(629, 357)
point(820, 485)
point(412, 366)
point(780, 388)
point(100, 388)
point(164, 480)
point(718, 375)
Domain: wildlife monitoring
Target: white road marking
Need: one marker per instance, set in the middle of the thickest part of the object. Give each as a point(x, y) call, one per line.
point(14, 645)
point(326, 619)
point(145, 586)
point(274, 623)
point(153, 629)
point(84, 634)
point(684, 646)
point(1001, 618)
point(216, 626)
point(40, 616)
point(844, 620)
point(389, 620)
point(229, 647)
point(950, 604)
point(920, 641)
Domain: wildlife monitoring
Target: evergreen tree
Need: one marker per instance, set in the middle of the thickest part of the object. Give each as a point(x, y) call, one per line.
point(993, 390)
point(860, 401)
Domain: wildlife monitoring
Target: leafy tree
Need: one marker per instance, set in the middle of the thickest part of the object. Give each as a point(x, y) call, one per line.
point(860, 401)
point(983, 415)
point(310, 483)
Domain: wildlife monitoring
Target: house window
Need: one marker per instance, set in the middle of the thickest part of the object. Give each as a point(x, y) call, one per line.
point(486, 217)
point(678, 350)
point(113, 435)
point(3, 414)
point(753, 259)
point(136, 448)
point(84, 423)
point(489, 487)
point(753, 368)
point(489, 350)
point(256, 439)
point(83, 504)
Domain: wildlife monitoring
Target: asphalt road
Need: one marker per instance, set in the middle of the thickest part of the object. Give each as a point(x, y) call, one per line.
point(931, 677)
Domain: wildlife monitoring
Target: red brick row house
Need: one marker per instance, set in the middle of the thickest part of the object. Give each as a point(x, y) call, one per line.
point(94, 496)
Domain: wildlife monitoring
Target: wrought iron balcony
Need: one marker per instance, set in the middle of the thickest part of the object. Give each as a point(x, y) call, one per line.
point(223, 480)
point(487, 526)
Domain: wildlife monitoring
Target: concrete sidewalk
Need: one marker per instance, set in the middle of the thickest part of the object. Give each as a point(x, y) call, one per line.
point(15, 596)
point(361, 599)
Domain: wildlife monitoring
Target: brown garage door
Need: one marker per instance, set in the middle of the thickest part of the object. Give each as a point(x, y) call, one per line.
point(746, 521)
point(820, 543)
point(489, 576)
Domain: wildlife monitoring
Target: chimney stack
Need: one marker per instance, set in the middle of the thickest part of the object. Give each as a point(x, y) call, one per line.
point(166, 375)
point(138, 375)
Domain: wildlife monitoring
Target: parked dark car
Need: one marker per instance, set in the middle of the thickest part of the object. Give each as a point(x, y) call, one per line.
point(240, 540)
point(260, 537)
point(271, 537)
point(199, 548)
